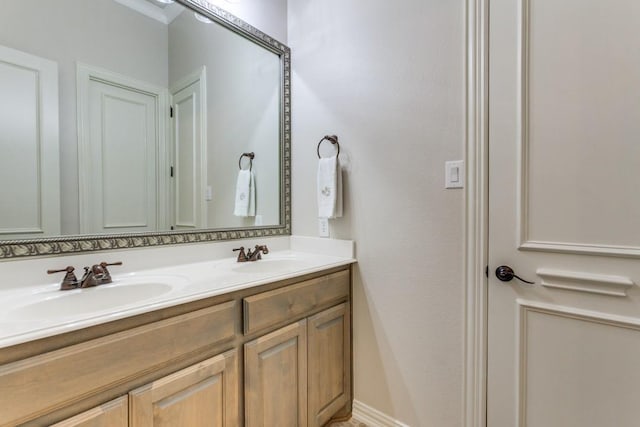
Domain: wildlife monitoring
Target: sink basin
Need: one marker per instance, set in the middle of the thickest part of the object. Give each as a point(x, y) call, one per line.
point(266, 266)
point(120, 293)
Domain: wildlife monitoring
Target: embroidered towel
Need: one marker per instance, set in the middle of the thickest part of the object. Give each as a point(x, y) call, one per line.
point(245, 194)
point(329, 188)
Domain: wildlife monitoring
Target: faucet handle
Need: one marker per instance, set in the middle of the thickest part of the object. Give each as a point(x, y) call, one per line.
point(258, 249)
point(242, 256)
point(70, 281)
point(106, 264)
point(102, 273)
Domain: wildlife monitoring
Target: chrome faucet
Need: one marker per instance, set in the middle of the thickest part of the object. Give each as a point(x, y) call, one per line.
point(93, 276)
point(254, 255)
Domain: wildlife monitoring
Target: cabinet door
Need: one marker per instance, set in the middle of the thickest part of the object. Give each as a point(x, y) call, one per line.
point(110, 414)
point(205, 394)
point(329, 363)
point(276, 378)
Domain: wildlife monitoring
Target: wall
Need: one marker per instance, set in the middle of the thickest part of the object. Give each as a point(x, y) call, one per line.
point(388, 79)
point(99, 33)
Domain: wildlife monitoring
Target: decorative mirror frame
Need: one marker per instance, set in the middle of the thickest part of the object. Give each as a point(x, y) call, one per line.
point(88, 243)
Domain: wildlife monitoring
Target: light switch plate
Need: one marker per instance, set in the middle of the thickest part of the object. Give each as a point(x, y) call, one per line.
point(454, 174)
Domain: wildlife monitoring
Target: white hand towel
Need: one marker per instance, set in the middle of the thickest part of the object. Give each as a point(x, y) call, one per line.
point(245, 194)
point(252, 195)
point(329, 188)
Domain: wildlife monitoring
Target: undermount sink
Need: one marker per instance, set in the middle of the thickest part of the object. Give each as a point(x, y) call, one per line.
point(120, 293)
point(281, 265)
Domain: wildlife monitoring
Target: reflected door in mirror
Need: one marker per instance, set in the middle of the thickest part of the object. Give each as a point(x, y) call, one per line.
point(119, 140)
point(29, 165)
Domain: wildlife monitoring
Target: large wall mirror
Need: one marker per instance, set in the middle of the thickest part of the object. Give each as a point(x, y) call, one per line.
point(128, 123)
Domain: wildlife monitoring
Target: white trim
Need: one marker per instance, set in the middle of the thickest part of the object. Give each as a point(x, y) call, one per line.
point(372, 417)
point(581, 249)
point(476, 213)
point(523, 122)
point(585, 282)
point(593, 316)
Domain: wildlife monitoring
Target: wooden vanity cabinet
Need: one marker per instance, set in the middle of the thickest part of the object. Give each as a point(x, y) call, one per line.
point(205, 394)
point(300, 374)
point(274, 355)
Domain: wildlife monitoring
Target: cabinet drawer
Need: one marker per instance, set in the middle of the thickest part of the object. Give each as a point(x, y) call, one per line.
point(32, 387)
point(271, 308)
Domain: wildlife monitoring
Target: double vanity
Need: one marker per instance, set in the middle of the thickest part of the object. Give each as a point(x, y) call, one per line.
point(129, 153)
point(264, 343)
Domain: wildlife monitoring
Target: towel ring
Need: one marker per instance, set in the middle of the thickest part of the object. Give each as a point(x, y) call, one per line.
point(332, 139)
point(250, 156)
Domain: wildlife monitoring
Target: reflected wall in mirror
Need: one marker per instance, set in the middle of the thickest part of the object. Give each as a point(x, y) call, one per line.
point(130, 116)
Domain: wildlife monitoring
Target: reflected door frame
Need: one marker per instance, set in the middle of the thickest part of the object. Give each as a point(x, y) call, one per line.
point(188, 159)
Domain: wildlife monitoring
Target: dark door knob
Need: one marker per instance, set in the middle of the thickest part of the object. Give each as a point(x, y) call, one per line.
point(506, 274)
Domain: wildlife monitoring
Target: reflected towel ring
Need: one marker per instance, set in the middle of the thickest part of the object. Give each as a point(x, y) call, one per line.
point(332, 139)
point(250, 156)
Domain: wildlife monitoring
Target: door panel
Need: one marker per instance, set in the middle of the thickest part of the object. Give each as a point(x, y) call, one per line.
point(29, 144)
point(580, 124)
point(276, 378)
point(205, 394)
point(125, 122)
point(587, 359)
point(564, 161)
point(120, 133)
point(329, 363)
point(190, 153)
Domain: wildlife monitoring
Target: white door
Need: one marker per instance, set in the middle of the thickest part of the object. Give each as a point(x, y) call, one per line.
point(564, 141)
point(189, 170)
point(120, 142)
point(30, 158)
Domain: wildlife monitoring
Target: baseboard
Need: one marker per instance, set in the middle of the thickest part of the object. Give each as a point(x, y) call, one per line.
point(372, 417)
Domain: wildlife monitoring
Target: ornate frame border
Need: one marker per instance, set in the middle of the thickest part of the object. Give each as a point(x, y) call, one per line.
point(73, 244)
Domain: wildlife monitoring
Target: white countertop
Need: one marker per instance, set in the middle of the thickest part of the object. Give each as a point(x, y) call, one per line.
point(37, 311)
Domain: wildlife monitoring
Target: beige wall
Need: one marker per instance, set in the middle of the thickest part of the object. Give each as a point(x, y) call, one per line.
point(387, 78)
